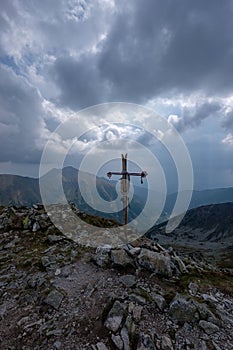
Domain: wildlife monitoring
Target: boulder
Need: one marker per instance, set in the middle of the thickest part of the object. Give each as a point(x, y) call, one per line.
point(120, 258)
point(115, 316)
point(158, 263)
point(182, 310)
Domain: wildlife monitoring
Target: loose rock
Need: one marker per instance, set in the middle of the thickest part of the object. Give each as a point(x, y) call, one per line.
point(166, 343)
point(208, 327)
point(117, 341)
point(128, 280)
point(115, 316)
point(54, 299)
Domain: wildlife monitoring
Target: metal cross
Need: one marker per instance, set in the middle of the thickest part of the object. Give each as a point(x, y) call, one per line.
point(125, 183)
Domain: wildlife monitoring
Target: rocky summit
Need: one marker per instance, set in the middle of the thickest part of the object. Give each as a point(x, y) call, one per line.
point(58, 294)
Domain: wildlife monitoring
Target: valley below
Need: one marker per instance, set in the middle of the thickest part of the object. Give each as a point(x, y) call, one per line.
point(206, 230)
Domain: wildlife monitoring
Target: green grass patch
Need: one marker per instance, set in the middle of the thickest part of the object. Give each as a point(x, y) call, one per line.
point(220, 280)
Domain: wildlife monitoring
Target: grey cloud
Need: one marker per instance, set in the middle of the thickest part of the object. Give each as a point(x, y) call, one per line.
point(192, 117)
point(79, 82)
point(21, 123)
point(212, 163)
point(228, 119)
point(159, 49)
point(34, 35)
point(7, 10)
point(165, 47)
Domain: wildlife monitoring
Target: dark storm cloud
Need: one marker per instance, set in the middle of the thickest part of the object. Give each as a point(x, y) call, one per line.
point(168, 47)
point(79, 81)
point(163, 48)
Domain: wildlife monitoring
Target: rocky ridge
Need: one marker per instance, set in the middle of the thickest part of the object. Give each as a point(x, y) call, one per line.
point(57, 294)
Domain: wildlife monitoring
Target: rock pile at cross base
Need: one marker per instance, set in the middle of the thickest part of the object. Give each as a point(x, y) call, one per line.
point(56, 294)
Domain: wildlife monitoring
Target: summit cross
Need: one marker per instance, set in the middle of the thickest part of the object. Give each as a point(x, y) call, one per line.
point(125, 183)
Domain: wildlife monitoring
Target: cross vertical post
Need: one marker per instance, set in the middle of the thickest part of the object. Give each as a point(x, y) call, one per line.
point(124, 188)
point(125, 183)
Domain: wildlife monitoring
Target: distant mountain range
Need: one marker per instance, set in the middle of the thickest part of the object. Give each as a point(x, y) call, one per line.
point(209, 227)
point(24, 191)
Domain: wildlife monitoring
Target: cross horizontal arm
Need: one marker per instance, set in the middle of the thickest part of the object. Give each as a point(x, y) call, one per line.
point(116, 173)
point(142, 174)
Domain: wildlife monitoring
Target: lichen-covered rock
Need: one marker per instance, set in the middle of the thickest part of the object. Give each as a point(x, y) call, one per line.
point(102, 256)
point(135, 311)
point(193, 288)
point(120, 258)
point(158, 263)
point(183, 310)
point(205, 313)
point(179, 264)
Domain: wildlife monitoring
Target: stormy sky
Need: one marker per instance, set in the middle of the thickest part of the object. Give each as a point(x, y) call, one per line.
point(175, 57)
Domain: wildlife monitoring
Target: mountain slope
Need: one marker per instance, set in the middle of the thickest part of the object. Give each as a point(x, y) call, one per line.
point(19, 190)
point(207, 226)
point(203, 197)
